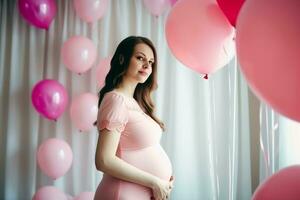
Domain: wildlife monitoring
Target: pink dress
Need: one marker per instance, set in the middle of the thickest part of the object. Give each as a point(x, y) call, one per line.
point(139, 146)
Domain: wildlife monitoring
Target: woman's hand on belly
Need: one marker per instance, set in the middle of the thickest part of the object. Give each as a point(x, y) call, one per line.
point(162, 189)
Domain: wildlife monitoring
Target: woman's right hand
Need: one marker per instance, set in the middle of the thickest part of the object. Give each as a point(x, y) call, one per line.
point(161, 189)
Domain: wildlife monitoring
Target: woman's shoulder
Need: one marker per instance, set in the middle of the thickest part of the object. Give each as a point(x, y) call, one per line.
point(119, 94)
point(113, 96)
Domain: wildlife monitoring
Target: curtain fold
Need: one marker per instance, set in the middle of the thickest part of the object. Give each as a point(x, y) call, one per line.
point(207, 121)
point(279, 142)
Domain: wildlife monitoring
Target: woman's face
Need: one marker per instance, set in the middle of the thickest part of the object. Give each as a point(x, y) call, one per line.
point(140, 65)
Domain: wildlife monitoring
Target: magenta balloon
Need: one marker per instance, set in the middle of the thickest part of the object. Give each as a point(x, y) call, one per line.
point(102, 70)
point(84, 110)
point(231, 9)
point(199, 35)
point(54, 157)
point(49, 98)
point(173, 2)
point(85, 196)
point(49, 193)
point(284, 184)
point(39, 13)
point(268, 49)
point(91, 10)
point(78, 54)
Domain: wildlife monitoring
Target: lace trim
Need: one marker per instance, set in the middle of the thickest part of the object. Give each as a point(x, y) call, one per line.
point(118, 126)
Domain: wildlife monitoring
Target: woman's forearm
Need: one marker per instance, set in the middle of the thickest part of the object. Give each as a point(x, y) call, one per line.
point(120, 169)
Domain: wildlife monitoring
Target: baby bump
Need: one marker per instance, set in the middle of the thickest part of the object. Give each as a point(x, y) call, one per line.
point(151, 159)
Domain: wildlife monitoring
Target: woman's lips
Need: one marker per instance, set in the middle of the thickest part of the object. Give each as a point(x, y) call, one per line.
point(143, 73)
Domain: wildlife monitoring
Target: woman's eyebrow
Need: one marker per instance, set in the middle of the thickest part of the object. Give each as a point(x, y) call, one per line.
point(145, 55)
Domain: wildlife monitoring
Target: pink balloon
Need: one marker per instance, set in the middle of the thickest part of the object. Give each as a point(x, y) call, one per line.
point(39, 13)
point(85, 196)
point(102, 70)
point(84, 110)
point(49, 193)
point(49, 98)
point(78, 54)
point(199, 35)
point(173, 2)
point(91, 10)
point(157, 7)
point(284, 184)
point(268, 47)
point(231, 9)
point(54, 157)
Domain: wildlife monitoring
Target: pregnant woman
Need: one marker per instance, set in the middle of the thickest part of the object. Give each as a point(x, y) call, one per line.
point(134, 165)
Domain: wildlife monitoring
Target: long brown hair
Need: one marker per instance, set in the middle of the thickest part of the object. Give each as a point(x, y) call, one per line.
point(118, 67)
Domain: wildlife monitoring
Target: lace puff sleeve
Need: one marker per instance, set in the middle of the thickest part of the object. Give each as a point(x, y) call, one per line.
point(112, 113)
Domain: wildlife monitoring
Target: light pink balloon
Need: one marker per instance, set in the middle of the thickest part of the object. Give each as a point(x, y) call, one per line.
point(284, 184)
point(91, 10)
point(54, 157)
point(102, 70)
point(84, 110)
point(49, 193)
point(268, 49)
point(78, 54)
point(199, 35)
point(157, 7)
point(85, 196)
point(49, 98)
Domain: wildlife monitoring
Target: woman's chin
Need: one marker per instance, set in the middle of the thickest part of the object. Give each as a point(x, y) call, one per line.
point(142, 80)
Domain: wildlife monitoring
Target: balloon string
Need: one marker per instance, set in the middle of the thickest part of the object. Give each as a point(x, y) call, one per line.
point(225, 51)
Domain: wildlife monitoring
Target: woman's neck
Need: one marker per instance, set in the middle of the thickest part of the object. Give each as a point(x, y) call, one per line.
point(127, 89)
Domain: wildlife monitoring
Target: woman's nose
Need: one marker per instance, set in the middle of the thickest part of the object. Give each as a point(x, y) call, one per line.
point(146, 64)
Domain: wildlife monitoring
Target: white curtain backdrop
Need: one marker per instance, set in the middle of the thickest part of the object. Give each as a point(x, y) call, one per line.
point(279, 142)
point(207, 121)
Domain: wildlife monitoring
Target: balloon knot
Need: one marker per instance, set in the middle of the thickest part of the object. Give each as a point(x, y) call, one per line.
point(206, 76)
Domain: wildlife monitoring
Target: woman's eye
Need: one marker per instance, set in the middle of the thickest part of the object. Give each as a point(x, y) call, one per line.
point(140, 58)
